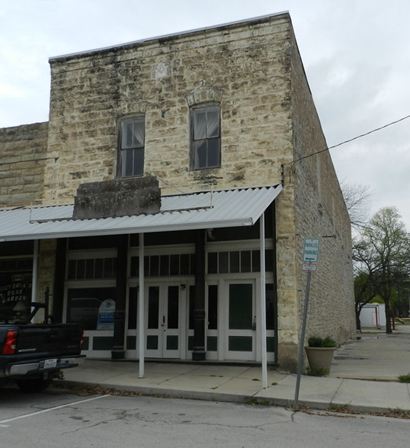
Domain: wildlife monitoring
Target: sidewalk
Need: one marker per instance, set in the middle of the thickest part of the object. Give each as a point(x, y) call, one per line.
point(240, 384)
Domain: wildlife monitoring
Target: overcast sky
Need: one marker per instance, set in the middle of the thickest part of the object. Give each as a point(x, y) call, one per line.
point(356, 54)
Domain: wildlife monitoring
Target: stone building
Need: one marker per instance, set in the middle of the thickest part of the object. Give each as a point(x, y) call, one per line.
point(176, 148)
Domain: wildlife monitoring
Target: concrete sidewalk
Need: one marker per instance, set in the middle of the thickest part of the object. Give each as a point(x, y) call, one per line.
point(376, 356)
point(240, 384)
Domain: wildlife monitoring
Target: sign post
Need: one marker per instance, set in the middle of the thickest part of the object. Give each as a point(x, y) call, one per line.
point(310, 259)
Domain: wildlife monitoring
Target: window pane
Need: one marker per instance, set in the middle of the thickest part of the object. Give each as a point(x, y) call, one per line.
point(240, 307)
point(89, 268)
point(146, 266)
point(132, 309)
point(134, 266)
point(212, 307)
point(71, 269)
point(132, 133)
point(174, 265)
point(234, 262)
point(173, 303)
point(99, 262)
point(154, 265)
point(164, 269)
point(213, 123)
point(138, 133)
point(246, 261)
point(199, 124)
point(212, 263)
point(126, 134)
point(256, 261)
point(80, 269)
point(138, 167)
point(213, 152)
point(153, 306)
point(223, 262)
point(127, 168)
point(191, 306)
point(185, 264)
point(84, 304)
point(200, 151)
point(108, 268)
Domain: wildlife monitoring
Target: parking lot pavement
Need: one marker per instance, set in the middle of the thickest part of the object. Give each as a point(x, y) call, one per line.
point(54, 419)
point(16, 405)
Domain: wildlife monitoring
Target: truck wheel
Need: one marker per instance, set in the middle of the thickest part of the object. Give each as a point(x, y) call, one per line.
point(32, 385)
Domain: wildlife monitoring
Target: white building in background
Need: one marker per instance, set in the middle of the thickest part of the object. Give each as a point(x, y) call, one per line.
point(373, 315)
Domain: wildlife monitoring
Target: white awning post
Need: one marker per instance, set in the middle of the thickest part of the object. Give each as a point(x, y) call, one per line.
point(34, 274)
point(141, 299)
point(264, 364)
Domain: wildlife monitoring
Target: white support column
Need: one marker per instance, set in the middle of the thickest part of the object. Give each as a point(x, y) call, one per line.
point(264, 364)
point(34, 277)
point(141, 300)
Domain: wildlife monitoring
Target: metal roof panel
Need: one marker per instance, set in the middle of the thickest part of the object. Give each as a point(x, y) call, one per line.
point(227, 208)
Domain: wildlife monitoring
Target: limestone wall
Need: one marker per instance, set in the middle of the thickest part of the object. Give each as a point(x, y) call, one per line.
point(240, 67)
point(22, 159)
point(320, 212)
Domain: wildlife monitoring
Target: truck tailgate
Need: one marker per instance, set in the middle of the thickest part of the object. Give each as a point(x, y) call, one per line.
point(48, 340)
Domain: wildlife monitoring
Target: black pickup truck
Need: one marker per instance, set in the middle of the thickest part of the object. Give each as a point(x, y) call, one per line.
point(33, 354)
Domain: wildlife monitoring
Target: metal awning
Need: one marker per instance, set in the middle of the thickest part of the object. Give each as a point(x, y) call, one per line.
point(204, 210)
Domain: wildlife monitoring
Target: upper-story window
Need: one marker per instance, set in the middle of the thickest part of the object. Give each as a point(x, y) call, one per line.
point(131, 150)
point(205, 137)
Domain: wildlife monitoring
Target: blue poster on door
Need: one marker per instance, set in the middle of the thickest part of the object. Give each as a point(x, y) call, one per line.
point(106, 310)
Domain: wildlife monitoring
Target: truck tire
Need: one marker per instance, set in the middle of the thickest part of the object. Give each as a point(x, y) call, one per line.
point(31, 385)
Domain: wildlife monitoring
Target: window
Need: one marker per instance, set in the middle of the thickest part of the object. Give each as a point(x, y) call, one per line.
point(205, 137)
point(131, 151)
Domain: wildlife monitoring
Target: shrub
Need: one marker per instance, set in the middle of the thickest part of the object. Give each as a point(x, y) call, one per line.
point(328, 342)
point(404, 378)
point(316, 341)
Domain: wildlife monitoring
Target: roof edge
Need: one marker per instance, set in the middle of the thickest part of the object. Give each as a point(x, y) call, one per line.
point(127, 45)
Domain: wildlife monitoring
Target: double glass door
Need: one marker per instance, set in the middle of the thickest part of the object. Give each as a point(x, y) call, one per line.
point(163, 321)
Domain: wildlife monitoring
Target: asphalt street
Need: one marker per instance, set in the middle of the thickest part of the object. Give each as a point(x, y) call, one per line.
point(56, 418)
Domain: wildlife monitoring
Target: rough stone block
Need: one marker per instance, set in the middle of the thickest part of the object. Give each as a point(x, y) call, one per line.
point(118, 197)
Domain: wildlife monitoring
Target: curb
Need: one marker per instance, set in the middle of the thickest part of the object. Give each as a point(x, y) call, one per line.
point(230, 398)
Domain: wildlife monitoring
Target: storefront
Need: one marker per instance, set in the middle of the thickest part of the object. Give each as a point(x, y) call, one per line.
point(16, 265)
point(231, 307)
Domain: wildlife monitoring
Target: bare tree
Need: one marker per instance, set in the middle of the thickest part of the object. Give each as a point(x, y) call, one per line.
point(356, 198)
point(382, 255)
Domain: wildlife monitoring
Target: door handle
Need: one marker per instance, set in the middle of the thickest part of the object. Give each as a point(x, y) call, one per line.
point(163, 321)
point(254, 323)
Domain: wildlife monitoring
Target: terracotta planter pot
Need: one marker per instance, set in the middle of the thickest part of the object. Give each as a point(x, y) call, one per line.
point(320, 359)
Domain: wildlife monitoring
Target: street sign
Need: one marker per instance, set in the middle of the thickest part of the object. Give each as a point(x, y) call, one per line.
point(309, 266)
point(311, 251)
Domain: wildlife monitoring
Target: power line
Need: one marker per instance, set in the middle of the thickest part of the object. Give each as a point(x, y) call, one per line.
point(391, 123)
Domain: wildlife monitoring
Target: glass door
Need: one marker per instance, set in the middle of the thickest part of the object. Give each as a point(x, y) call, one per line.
point(241, 334)
point(171, 322)
point(153, 322)
point(163, 321)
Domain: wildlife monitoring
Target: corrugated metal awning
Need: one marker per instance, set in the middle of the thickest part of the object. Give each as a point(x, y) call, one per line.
point(228, 208)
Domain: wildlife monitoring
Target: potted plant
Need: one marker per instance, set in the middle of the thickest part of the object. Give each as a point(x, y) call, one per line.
point(320, 354)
